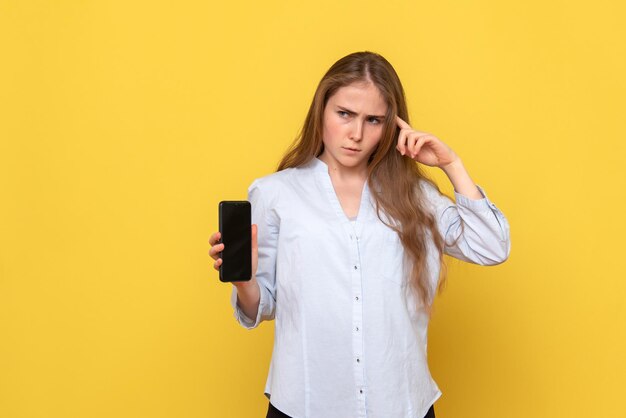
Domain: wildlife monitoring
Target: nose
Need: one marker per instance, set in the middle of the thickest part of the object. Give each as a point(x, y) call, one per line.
point(356, 132)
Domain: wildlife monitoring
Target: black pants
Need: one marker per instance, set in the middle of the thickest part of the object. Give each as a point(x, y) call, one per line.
point(272, 412)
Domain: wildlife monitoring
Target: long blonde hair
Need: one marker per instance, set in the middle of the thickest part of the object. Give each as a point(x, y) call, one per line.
point(392, 178)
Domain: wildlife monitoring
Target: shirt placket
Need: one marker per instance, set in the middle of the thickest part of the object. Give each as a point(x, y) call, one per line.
point(355, 232)
point(357, 321)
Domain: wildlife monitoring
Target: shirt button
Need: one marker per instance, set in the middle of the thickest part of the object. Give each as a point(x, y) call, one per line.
point(358, 360)
point(357, 298)
point(355, 267)
point(360, 390)
point(357, 328)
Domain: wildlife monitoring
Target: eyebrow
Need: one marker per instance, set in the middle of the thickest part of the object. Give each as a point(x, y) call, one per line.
point(354, 113)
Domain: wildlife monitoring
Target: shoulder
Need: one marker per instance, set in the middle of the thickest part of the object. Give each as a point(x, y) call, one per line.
point(277, 181)
point(427, 188)
point(272, 182)
point(273, 187)
point(430, 194)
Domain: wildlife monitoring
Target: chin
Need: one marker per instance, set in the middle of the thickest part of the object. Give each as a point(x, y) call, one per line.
point(351, 162)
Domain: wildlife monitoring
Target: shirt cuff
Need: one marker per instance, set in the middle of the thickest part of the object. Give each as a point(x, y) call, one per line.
point(241, 317)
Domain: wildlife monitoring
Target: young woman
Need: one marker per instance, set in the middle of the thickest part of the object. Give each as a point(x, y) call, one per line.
point(351, 237)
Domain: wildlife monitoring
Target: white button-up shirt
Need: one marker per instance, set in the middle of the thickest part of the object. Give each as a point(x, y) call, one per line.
point(350, 339)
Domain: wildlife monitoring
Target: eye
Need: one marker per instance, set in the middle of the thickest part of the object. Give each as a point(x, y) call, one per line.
point(342, 113)
point(374, 121)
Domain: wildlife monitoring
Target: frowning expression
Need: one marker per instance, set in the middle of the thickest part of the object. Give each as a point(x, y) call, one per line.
point(353, 125)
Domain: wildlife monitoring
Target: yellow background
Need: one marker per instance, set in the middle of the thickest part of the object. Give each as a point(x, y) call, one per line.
point(124, 123)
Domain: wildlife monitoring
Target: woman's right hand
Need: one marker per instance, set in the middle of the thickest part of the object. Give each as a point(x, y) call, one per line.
point(217, 247)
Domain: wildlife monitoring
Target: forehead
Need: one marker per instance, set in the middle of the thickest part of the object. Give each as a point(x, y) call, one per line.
point(361, 98)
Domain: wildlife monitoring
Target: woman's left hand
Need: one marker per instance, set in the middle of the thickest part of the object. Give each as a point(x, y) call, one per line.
point(423, 147)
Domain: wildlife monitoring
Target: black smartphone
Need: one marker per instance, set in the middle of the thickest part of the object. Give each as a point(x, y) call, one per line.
point(236, 230)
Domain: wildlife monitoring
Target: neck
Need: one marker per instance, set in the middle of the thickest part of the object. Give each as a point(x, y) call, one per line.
point(343, 173)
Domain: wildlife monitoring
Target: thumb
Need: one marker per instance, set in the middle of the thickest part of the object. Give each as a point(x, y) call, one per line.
point(254, 238)
point(255, 249)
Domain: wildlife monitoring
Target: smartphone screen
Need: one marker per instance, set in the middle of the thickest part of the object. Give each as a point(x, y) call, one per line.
point(235, 221)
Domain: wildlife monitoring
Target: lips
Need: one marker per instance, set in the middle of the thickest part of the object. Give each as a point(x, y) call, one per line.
point(351, 149)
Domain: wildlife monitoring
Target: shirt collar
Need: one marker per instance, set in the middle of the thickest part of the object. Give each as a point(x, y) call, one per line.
point(318, 165)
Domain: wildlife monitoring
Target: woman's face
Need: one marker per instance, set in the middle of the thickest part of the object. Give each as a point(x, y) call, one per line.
point(353, 125)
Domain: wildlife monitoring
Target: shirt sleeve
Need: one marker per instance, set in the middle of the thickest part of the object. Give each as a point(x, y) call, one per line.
point(264, 216)
point(475, 231)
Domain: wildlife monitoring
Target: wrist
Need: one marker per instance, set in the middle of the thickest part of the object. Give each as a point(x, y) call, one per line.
point(245, 286)
point(452, 166)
